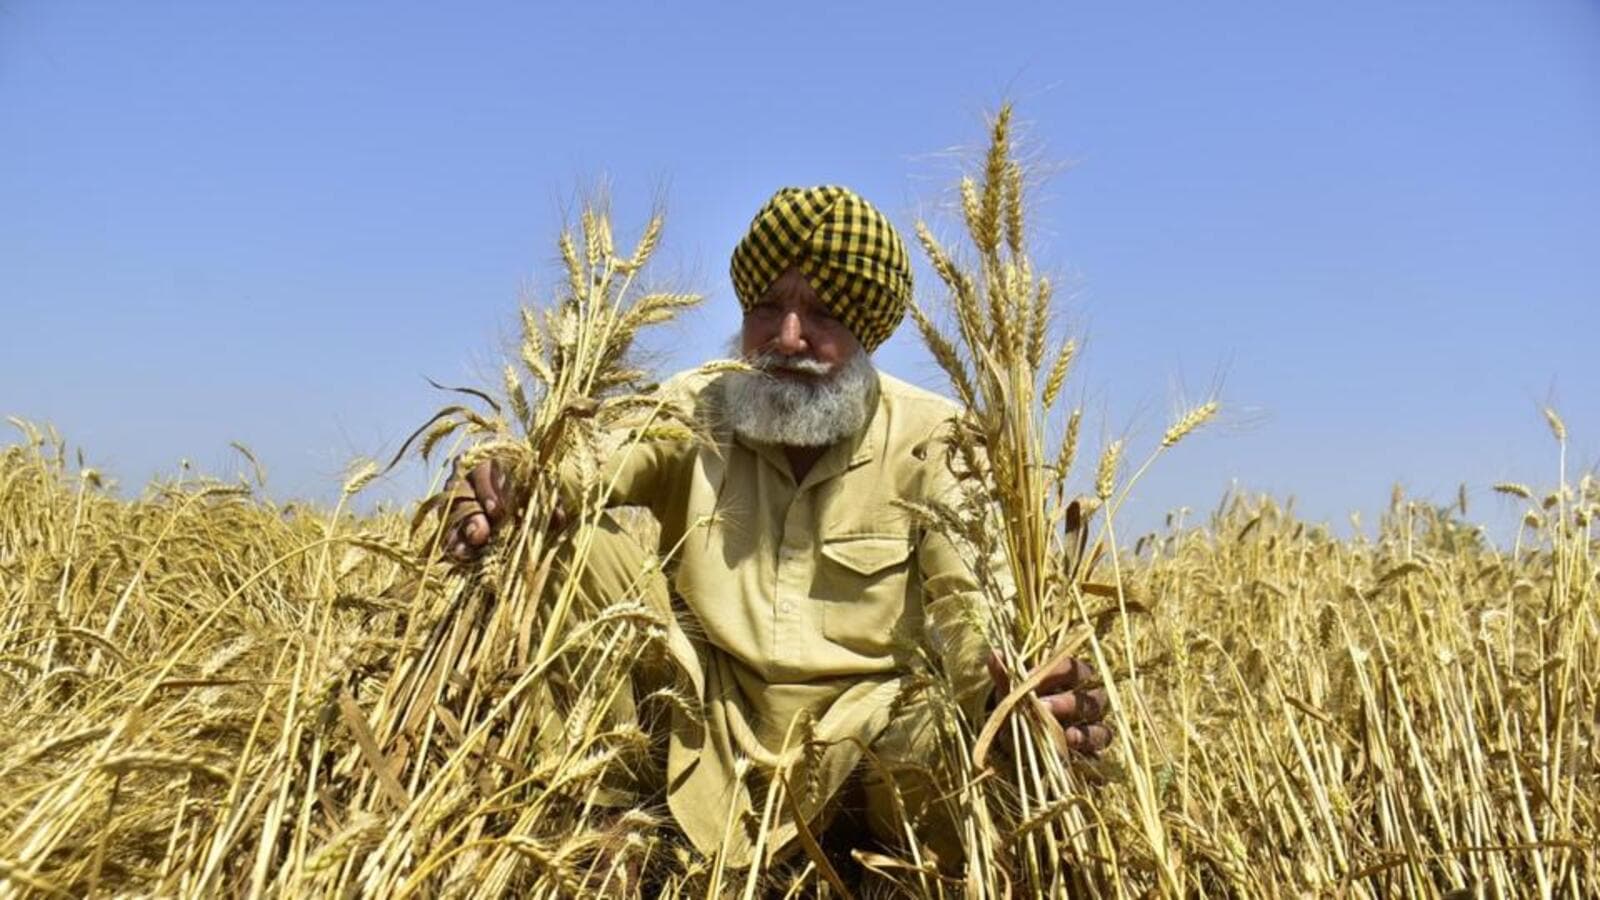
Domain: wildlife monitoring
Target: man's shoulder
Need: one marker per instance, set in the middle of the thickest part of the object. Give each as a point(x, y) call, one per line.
point(692, 389)
point(915, 404)
point(695, 393)
point(914, 419)
point(688, 381)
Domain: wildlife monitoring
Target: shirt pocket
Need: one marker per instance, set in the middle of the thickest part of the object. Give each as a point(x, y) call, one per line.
point(864, 581)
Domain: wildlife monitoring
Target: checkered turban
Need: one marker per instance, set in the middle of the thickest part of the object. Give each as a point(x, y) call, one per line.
point(847, 250)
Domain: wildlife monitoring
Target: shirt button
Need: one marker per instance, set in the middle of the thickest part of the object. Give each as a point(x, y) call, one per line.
point(786, 607)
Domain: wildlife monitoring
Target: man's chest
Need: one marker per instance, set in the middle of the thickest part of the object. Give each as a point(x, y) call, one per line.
point(822, 573)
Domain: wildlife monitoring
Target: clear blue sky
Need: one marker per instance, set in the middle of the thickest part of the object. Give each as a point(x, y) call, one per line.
point(1378, 224)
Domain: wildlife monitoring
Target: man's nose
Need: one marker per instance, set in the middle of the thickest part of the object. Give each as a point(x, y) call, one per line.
point(791, 334)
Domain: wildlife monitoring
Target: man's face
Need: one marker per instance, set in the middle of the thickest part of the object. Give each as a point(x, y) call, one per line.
point(815, 383)
point(791, 320)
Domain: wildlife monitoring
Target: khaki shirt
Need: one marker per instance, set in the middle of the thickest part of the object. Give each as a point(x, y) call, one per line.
point(812, 599)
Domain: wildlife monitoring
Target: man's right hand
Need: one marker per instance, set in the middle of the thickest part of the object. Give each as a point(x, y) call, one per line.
point(480, 503)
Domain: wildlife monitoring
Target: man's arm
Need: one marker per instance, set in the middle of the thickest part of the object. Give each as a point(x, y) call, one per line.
point(955, 609)
point(480, 501)
point(955, 606)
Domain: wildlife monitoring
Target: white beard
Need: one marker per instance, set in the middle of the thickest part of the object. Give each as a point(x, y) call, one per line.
point(772, 409)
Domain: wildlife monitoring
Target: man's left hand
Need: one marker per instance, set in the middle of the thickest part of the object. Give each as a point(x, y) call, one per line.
point(1073, 695)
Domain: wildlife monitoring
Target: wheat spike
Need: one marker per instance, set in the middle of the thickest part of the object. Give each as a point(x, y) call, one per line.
point(1188, 422)
point(1558, 428)
point(1058, 371)
point(647, 242)
point(577, 281)
point(1068, 453)
point(938, 258)
point(986, 233)
point(653, 309)
point(1039, 321)
point(361, 474)
point(1106, 472)
point(972, 208)
point(1013, 206)
point(944, 353)
point(593, 248)
point(437, 432)
point(532, 333)
point(517, 396)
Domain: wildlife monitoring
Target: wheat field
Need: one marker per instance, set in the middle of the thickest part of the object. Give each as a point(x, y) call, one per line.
point(205, 692)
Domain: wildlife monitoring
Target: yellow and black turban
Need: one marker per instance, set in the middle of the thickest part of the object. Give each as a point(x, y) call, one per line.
point(847, 250)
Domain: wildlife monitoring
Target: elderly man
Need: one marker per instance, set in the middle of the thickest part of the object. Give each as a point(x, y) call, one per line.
point(808, 590)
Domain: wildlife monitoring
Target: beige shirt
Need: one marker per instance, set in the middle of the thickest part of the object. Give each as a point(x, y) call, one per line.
point(814, 597)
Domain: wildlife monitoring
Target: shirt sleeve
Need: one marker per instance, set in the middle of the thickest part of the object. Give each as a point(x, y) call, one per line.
point(635, 471)
point(644, 460)
point(642, 471)
point(956, 606)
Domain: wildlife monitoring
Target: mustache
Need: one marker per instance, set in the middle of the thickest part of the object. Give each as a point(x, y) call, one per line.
point(772, 361)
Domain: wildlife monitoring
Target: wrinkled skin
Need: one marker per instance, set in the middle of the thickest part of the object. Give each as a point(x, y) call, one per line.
point(791, 320)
